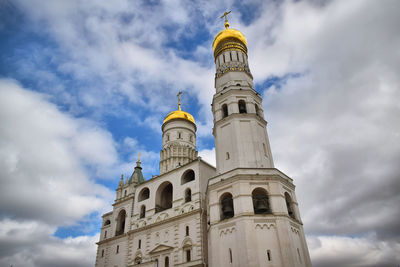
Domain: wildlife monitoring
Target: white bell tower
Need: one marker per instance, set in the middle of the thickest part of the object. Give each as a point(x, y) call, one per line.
point(253, 214)
point(241, 138)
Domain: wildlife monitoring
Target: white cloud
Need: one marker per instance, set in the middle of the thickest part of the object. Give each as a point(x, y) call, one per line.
point(208, 155)
point(30, 244)
point(342, 251)
point(43, 179)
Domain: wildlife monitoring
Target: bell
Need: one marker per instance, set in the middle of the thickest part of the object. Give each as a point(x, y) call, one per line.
point(227, 210)
point(261, 207)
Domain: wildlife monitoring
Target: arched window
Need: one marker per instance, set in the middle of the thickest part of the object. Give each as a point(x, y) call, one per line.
point(164, 197)
point(187, 230)
point(187, 177)
point(242, 106)
point(142, 211)
point(107, 222)
point(289, 205)
point(120, 223)
point(226, 204)
point(188, 195)
point(224, 110)
point(260, 201)
point(144, 194)
point(166, 262)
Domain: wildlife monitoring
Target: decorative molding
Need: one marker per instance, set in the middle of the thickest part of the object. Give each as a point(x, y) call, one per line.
point(264, 225)
point(227, 231)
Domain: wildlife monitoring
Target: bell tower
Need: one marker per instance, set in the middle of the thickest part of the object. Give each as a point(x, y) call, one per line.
point(252, 210)
point(241, 138)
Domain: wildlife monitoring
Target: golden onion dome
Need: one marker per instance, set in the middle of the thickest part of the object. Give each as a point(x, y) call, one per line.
point(228, 33)
point(179, 114)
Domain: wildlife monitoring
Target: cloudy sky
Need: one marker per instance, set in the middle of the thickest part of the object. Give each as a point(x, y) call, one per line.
point(85, 85)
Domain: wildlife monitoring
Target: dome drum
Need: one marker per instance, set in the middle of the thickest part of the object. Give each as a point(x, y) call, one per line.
point(229, 44)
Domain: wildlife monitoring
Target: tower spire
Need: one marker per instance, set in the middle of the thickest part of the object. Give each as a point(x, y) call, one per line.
point(179, 100)
point(226, 18)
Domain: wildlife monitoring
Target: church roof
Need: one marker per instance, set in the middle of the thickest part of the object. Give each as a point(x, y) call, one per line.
point(137, 176)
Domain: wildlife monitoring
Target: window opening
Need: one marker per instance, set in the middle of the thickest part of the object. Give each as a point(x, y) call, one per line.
point(227, 155)
point(142, 211)
point(260, 201)
point(224, 57)
point(298, 253)
point(120, 223)
point(117, 249)
point(105, 234)
point(242, 106)
point(125, 193)
point(139, 243)
point(265, 150)
point(166, 262)
point(179, 135)
point(187, 230)
point(230, 54)
point(188, 258)
point(269, 255)
point(107, 222)
point(102, 253)
point(227, 210)
point(144, 194)
point(230, 255)
point(188, 195)
point(167, 137)
point(225, 110)
point(164, 197)
point(257, 109)
point(289, 205)
point(188, 176)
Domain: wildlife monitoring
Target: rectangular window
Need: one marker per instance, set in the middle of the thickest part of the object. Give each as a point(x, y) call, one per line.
point(269, 255)
point(117, 249)
point(105, 234)
point(139, 243)
point(102, 253)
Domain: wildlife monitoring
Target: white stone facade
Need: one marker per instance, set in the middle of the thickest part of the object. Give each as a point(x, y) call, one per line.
point(244, 212)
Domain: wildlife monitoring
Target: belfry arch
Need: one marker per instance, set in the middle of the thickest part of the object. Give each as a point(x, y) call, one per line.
point(164, 196)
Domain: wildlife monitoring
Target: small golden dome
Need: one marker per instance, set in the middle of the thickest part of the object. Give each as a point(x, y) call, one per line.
point(179, 114)
point(228, 33)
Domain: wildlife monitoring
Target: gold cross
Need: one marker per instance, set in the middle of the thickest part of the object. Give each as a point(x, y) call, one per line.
point(179, 99)
point(139, 156)
point(226, 18)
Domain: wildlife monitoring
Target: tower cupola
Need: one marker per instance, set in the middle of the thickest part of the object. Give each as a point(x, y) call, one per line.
point(179, 139)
